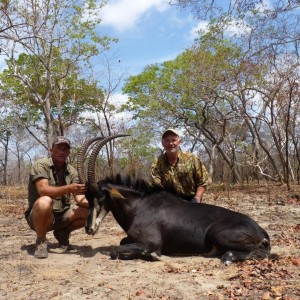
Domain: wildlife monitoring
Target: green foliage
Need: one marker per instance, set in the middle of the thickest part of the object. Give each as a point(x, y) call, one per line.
point(201, 91)
point(68, 97)
point(137, 150)
point(186, 86)
point(57, 40)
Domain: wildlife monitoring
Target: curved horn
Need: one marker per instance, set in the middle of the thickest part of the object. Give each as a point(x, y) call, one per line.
point(94, 154)
point(81, 157)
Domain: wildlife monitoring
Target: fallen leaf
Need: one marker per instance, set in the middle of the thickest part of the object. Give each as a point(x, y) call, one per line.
point(265, 296)
point(296, 261)
point(139, 293)
point(278, 290)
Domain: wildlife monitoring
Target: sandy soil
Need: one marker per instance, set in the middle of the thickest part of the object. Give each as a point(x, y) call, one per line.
point(89, 273)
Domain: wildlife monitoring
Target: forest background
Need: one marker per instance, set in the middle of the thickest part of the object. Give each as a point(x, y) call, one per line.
point(234, 97)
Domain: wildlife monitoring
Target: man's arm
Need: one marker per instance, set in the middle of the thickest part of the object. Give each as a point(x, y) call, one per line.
point(199, 193)
point(44, 189)
point(156, 178)
point(81, 201)
point(202, 179)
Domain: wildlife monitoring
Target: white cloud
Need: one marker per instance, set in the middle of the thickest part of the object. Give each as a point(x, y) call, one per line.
point(236, 27)
point(121, 117)
point(125, 14)
point(202, 25)
point(119, 99)
point(118, 118)
point(264, 5)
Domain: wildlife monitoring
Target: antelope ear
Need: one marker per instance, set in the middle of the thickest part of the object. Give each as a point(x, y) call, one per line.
point(115, 194)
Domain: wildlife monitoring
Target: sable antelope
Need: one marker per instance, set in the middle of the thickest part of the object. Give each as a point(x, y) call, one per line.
point(159, 222)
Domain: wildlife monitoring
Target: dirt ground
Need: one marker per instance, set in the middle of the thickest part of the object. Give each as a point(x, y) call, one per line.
point(89, 273)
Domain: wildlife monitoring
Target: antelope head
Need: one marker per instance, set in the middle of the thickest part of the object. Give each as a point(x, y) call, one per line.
point(94, 194)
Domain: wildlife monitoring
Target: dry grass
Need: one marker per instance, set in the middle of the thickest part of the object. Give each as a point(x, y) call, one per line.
point(13, 192)
point(90, 274)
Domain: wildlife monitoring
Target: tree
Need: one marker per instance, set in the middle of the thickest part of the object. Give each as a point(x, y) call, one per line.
point(258, 26)
point(240, 109)
point(138, 151)
point(15, 144)
point(4, 140)
point(193, 92)
point(58, 40)
point(66, 102)
point(230, 91)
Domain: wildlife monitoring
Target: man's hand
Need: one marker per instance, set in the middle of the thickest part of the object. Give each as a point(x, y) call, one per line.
point(44, 189)
point(77, 188)
point(195, 200)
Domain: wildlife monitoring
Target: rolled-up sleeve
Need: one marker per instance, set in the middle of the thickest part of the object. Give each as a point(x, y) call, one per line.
point(39, 170)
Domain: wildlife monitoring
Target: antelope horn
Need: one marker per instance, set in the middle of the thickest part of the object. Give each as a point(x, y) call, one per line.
point(92, 160)
point(81, 157)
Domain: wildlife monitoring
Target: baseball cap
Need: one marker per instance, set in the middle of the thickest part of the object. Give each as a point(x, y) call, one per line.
point(61, 140)
point(171, 130)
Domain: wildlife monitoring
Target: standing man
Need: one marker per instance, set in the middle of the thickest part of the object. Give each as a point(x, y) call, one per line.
point(179, 171)
point(51, 182)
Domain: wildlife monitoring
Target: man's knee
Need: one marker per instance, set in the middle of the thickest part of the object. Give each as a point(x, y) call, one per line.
point(80, 212)
point(43, 203)
point(77, 217)
point(42, 212)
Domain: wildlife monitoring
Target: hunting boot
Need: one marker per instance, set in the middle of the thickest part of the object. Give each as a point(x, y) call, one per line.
point(63, 235)
point(41, 248)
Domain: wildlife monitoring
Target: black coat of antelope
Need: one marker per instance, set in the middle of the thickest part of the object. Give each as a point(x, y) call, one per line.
point(158, 222)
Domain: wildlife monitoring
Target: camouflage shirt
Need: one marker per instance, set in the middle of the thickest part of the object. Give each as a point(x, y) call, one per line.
point(184, 177)
point(44, 168)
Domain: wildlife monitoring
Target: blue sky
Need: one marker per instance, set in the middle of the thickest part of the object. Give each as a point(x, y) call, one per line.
point(149, 31)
